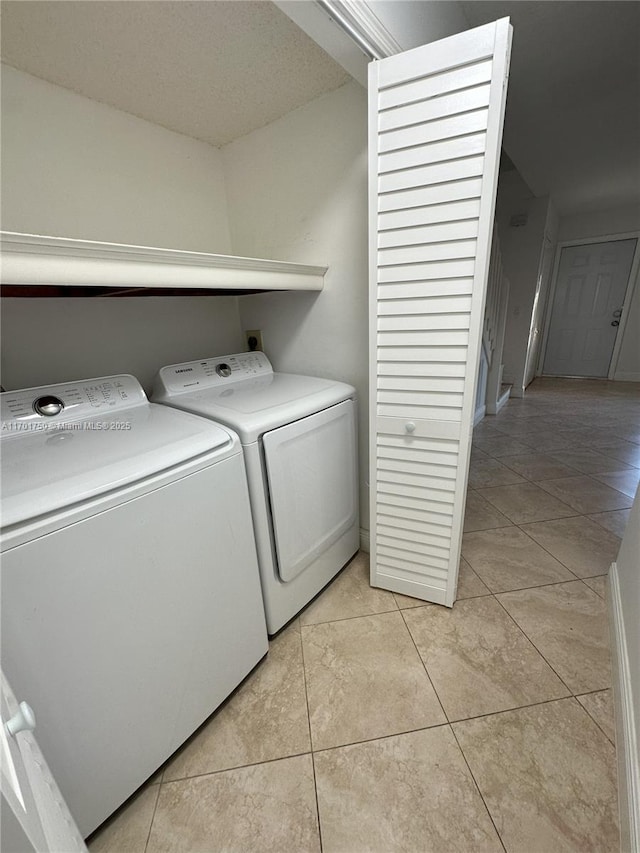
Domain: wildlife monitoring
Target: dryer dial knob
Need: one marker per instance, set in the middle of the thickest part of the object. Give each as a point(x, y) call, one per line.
point(48, 406)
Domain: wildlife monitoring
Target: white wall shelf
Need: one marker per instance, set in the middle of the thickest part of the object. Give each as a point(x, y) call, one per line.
point(33, 265)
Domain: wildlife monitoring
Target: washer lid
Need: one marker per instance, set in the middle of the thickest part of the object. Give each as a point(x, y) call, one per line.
point(254, 406)
point(48, 465)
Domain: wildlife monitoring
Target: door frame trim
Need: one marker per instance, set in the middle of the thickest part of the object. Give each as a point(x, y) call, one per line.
point(631, 283)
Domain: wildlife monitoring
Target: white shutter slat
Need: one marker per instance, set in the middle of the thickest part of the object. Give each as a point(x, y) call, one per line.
point(434, 337)
point(407, 567)
point(418, 322)
point(456, 268)
point(426, 253)
point(433, 152)
point(440, 467)
point(430, 289)
point(407, 516)
point(434, 131)
point(429, 448)
point(463, 167)
point(428, 215)
point(418, 399)
point(424, 354)
point(437, 57)
point(436, 117)
point(433, 370)
point(425, 304)
point(428, 87)
point(431, 380)
point(434, 108)
point(405, 411)
point(393, 551)
point(425, 234)
point(420, 483)
point(390, 517)
point(468, 189)
point(412, 543)
point(416, 498)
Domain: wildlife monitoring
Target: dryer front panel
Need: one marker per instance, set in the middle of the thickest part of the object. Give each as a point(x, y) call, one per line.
point(312, 477)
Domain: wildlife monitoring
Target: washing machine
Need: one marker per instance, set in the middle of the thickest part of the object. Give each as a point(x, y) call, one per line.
point(299, 440)
point(131, 599)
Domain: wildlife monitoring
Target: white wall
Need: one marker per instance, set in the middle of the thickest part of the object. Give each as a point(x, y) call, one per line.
point(599, 223)
point(604, 223)
point(297, 191)
point(72, 167)
point(59, 339)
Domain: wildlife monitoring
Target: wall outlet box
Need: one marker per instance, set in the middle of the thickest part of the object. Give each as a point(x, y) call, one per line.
point(253, 338)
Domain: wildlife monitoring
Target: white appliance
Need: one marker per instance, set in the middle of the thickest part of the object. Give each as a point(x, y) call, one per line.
point(131, 601)
point(299, 439)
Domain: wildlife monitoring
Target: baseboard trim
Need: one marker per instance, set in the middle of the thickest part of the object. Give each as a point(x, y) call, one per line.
point(626, 735)
point(365, 540)
point(480, 413)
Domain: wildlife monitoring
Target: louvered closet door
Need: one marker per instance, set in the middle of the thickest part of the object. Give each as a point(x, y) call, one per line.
point(435, 128)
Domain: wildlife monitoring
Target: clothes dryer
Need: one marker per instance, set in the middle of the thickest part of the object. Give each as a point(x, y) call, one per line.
point(299, 440)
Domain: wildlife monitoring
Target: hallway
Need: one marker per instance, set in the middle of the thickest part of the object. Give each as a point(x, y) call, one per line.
point(381, 723)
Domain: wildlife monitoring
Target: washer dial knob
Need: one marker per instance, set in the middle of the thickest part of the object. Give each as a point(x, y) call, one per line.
point(48, 406)
point(223, 370)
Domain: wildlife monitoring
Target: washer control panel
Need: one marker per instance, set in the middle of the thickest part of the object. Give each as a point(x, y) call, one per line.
point(212, 372)
point(55, 404)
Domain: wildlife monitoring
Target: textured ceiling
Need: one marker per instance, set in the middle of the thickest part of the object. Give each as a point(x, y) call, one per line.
point(572, 125)
point(219, 69)
point(212, 70)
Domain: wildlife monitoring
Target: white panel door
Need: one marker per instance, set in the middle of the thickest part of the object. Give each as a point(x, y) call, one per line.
point(435, 128)
point(591, 285)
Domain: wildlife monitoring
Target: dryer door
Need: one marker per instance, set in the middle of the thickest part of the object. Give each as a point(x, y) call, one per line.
point(312, 476)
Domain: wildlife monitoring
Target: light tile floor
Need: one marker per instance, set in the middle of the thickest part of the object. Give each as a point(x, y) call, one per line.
point(379, 723)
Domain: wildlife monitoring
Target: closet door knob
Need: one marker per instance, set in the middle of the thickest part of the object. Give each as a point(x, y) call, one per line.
point(410, 427)
point(24, 720)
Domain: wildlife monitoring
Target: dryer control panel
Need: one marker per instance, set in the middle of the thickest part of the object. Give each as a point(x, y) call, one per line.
point(211, 372)
point(51, 405)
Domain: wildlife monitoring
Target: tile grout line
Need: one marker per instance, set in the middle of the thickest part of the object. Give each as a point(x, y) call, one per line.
point(533, 644)
point(475, 782)
point(593, 719)
point(540, 545)
point(153, 816)
point(447, 722)
point(358, 616)
point(181, 779)
point(313, 763)
point(450, 723)
point(424, 665)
